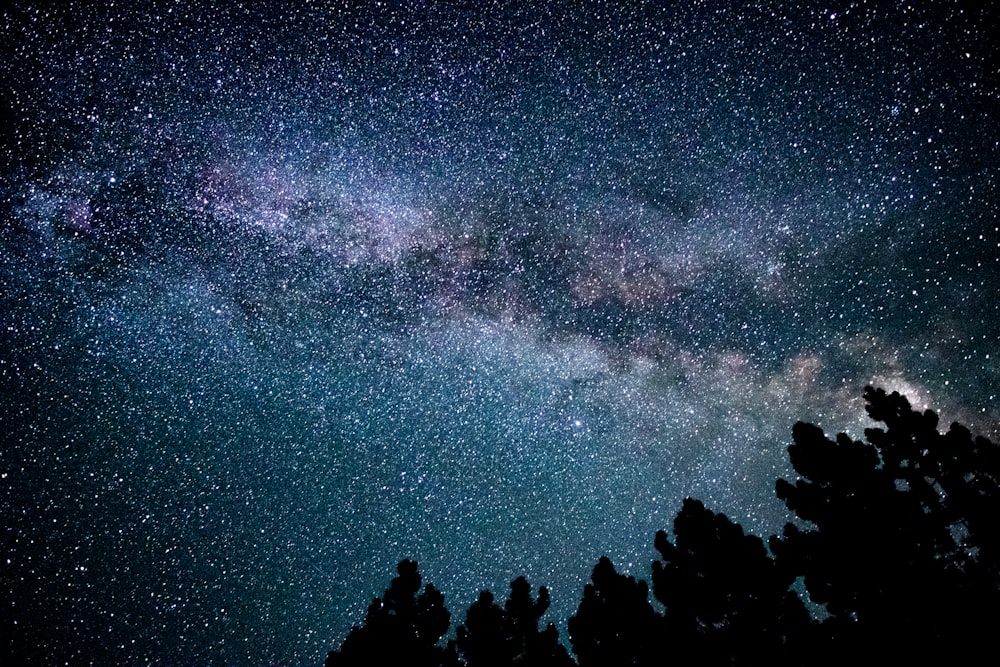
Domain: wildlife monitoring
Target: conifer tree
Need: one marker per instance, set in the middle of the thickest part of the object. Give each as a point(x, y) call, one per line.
point(903, 534)
point(725, 599)
point(615, 624)
point(401, 628)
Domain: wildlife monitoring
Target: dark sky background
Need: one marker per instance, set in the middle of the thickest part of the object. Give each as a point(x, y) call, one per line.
point(292, 291)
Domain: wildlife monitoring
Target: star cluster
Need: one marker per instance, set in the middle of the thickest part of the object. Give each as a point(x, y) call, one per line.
point(291, 293)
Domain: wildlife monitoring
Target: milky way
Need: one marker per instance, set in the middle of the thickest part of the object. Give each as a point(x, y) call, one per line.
point(290, 294)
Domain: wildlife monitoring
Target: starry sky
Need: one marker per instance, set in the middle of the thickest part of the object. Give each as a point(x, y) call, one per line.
point(292, 291)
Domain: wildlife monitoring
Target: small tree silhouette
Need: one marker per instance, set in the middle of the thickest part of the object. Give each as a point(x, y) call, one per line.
point(493, 636)
point(484, 640)
point(726, 600)
point(535, 648)
point(614, 625)
point(400, 628)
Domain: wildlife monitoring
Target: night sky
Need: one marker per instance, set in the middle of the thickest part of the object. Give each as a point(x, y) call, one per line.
point(291, 291)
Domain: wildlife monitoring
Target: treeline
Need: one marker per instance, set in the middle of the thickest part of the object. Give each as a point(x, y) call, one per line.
point(899, 551)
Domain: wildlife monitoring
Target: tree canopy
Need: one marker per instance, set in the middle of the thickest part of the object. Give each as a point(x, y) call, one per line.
point(898, 549)
point(400, 628)
point(903, 533)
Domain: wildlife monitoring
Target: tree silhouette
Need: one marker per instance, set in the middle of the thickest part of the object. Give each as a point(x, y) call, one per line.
point(725, 599)
point(498, 637)
point(484, 639)
point(904, 537)
point(615, 624)
point(900, 546)
point(400, 628)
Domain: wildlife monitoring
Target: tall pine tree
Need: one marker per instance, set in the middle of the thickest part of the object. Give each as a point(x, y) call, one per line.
point(902, 547)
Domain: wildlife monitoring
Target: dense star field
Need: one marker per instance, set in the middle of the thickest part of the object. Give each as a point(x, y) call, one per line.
point(291, 292)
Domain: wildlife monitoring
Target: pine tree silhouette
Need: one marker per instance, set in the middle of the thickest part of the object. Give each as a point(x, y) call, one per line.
point(899, 545)
point(534, 648)
point(498, 637)
point(615, 624)
point(401, 628)
point(726, 600)
point(902, 552)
